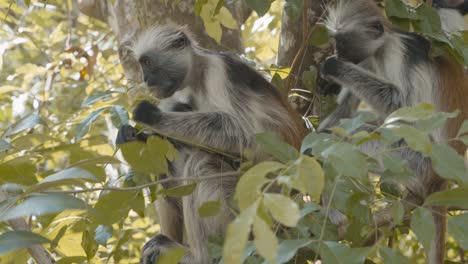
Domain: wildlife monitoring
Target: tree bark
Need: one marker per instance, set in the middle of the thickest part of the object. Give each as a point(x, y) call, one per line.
point(293, 38)
point(127, 17)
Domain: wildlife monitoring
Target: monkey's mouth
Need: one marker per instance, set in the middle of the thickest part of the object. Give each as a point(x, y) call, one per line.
point(160, 91)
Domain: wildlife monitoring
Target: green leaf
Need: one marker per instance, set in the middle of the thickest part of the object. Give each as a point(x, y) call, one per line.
point(333, 252)
point(350, 125)
point(309, 78)
point(273, 144)
point(396, 8)
point(4, 145)
point(68, 174)
point(394, 162)
point(237, 235)
point(317, 143)
point(347, 160)
point(248, 188)
point(210, 208)
point(455, 197)
point(150, 158)
point(103, 234)
point(172, 256)
point(95, 97)
point(11, 240)
point(463, 129)
point(437, 120)
point(448, 163)
point(43, 204)
point(398, 212)
point(259, 6)
point(458, 228)
point(282, 208)
point(319, 36)
point(179, 191)
point(226, 18)
point(265, 240)
point(423, 226)
point(411, 114)
point(199, 5)
point(89, 245)
point(390, 256)
point(27, 122)
point(288, 248)
point(112, 207)
point(307, 177)
point(83, 127)
point(416, 139)
point(119, 116)
point(31, 140)
point(429, 22)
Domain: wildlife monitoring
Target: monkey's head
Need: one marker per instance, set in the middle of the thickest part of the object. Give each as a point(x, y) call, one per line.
point(165, 56)
point(358, 27)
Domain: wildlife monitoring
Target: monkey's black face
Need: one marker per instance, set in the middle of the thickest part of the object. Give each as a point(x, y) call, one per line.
point(163, 74)
point(357, 45)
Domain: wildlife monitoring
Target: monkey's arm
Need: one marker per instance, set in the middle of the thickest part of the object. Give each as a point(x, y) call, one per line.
point(213, 129)
point(346, 108)
point(382, 96)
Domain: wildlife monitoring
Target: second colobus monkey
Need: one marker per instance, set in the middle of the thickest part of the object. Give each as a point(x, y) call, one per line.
point(451, 14)
point(388, 69)
point(227, 103)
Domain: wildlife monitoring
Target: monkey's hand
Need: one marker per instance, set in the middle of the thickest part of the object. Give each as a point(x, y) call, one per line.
point(147, 113)
point(128, 133)
point(331, 67)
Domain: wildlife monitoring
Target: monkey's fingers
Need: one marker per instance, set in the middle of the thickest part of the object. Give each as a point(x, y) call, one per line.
point(146, 112)
point(126, 134)
point(155, 247)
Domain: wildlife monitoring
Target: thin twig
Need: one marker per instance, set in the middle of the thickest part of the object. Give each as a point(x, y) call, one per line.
point(142, 186)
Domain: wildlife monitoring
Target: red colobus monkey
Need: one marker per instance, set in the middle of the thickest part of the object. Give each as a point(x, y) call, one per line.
point(388, 69)
point(213, 99)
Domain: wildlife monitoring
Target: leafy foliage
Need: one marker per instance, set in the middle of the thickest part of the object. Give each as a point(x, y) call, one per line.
point(63, 97)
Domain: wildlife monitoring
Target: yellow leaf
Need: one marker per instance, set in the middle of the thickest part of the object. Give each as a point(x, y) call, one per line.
point(265, 240)
point(226, 18)
point(282, 208)
point(214, 30)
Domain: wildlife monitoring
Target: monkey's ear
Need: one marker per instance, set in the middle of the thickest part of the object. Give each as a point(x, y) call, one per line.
point(181, 41)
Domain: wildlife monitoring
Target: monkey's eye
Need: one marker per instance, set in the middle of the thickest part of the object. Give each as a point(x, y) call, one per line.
point(180, 42)
point(378, 28)
point(145, 61)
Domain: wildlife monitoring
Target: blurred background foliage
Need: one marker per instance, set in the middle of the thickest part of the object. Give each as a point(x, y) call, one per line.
point(63, 96)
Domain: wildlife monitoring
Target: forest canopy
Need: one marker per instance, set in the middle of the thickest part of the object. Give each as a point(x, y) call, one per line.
point(68, 194)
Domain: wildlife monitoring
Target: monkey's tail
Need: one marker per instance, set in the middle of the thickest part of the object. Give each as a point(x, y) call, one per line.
point(437, 250)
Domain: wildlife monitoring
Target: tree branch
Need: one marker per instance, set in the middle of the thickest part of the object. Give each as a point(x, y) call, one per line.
point(142, 186)
point(38, 252)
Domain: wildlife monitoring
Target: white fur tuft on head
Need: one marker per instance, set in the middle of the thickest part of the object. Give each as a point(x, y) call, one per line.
point(349, 14)
point(159, 37)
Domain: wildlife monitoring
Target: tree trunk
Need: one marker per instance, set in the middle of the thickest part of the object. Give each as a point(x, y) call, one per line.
point(127, 17)
point(294, 52)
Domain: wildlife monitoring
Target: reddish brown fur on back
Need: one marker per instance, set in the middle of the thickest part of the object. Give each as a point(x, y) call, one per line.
point(453, 95)
point(293, 135)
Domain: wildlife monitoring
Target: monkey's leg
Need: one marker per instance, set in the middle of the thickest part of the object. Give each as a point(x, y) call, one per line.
point(425, 183)
point(346, 108)
point(382, 96)
point(214, 129)
point(200, 228)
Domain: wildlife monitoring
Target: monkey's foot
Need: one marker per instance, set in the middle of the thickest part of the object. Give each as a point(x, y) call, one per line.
point(157, 247)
